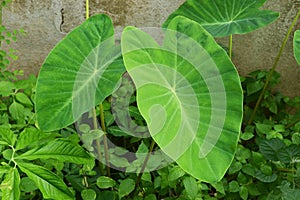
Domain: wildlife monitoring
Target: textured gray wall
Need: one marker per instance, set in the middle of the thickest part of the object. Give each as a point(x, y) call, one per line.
point(47, 21)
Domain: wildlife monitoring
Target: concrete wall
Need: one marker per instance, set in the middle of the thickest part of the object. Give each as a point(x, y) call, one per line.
point(47, 21)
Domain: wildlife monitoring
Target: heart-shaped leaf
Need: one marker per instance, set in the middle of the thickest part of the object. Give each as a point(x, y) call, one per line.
point(80, 72)
point(226, 17)
point(297, 46)
point(190, 95)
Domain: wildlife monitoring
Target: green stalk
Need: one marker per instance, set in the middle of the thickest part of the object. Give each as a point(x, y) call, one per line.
point(98, 144)
point(292, 124)
point(102, 120)
point(230, 46)
point(273, 69)
point(137, 182)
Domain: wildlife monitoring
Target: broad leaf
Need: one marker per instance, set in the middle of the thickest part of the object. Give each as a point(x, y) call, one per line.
point(270, 148)
point(297, 46)
point(32, 137)
point(80, 72)
point(61, 150)
point(10, 185)
point(190, 95)
point(226, 17)
point(7, 137)
point(126, 187)
point(50, 184)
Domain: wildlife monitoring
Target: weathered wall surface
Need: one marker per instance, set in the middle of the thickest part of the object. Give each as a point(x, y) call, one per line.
point(47, 21)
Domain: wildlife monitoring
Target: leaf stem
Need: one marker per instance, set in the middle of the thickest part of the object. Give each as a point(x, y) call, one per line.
point(230, 46)
point(102, 120)
point(273, 69)
point(87, 9)
point(145, 163)
point(98, 142)
point(292, 124)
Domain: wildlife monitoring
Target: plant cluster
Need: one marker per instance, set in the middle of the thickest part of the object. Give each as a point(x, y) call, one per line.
point(143, 94)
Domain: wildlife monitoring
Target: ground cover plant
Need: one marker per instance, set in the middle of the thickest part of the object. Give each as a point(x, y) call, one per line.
point(170, 114)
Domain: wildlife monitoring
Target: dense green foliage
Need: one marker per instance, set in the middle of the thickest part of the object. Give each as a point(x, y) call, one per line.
point(44, 155)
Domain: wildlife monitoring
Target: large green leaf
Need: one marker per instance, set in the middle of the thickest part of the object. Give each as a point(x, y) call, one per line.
point(10, 185)
point(50, 184)
point(78, 73)
point(226, 17)
point(297, 46)
point(62, 150)
point(190, 95)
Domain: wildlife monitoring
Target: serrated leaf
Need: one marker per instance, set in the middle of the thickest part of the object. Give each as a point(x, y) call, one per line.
point(297, 46)
point(104, 182)
point(270, 148)
point(50, 184)
point(289, 154)
point(62, 150)
point(226, 17)
point(10, 185)
point(265, 178)
point(188, 75)
point(126, 187)
point(79, 73)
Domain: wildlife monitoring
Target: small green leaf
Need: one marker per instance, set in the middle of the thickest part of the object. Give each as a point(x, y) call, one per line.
point(263, 128)
point(126, 187)
point(88, 194)
point(234, 186)
point(265, 178)
point(219, 187)
point(7, 154)
point(7, 136)
point(50, 184)
point(10, 185)
point(190, 186)
point(16, 110)
point(23, 99)
point(297, 46)
point(150, 197)
point(175, 173)
point(104, 182)
point(235, 167)
point(116, 131)
point(244, 192)
point(247, 136)
point(6, 88)
point(61, 150)
point(27, 185)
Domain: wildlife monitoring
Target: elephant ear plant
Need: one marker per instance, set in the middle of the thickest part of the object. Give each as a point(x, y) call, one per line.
point(188, 90)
